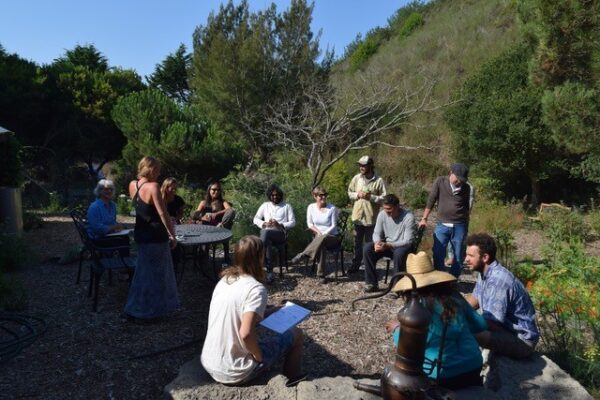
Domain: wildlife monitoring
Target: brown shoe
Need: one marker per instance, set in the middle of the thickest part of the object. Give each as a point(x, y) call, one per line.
point(371, 288)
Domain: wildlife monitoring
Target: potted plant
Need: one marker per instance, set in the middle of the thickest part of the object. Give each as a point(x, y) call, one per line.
point(11, 178)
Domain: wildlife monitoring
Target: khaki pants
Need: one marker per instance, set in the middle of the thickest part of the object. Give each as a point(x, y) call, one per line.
point(316, 250)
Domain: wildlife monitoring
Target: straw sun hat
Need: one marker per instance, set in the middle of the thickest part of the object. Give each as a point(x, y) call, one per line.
point(420, 267)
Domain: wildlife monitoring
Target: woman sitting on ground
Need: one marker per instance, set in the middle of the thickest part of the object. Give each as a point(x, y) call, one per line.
point(174, 203)
point(461, 359)
point(233, 353)
point(214, 210)
point(321, 218)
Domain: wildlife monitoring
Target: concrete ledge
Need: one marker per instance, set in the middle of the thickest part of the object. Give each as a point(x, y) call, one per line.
point(537, 378)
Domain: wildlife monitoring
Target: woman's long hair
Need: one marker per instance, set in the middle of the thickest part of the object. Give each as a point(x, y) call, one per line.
point(165, 185)
point(248, 259)
point(208, 199)
point(147, 166)
point(444, 293)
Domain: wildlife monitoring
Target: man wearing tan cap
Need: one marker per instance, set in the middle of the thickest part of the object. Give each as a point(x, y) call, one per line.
point(366, 190)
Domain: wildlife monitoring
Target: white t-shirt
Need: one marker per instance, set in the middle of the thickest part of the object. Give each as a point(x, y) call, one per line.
point(324, 220)
point(282, 213)
point(224, 356)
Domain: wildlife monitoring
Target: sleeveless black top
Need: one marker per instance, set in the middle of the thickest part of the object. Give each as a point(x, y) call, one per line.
point(148, 226)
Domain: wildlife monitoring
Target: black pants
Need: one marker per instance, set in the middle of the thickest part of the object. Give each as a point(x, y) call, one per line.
point(398, 254)
point(273, 237)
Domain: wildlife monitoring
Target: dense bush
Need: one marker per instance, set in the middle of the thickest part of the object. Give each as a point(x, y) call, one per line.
point(368, 47)
point(562, 226)
point(124, 205)
point(413, 194)
point(412, 22)
point(565, 291)
point(336, 183)
point(247, 192)
point(494, 216)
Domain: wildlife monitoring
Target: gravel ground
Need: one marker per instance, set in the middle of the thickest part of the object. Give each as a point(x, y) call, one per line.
point(101, 355)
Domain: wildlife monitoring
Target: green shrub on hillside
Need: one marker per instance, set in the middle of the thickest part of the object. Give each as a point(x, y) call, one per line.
point(411, 23)
point(563, 226)
point(368, 47)
point(413, 194)
point(11, 174)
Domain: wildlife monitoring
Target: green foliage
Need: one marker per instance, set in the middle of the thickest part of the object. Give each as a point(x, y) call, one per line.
point(244, 62)
point(54, 203)
point(565, 294)
point(247, 193)
point(566, 33)
point(11, 174)
point(336, 182)
point(13, 252)
point(562, 226)
point(412, 22)
point(368, 47)
point(124, 206)
point(177, 135)
point(497, 126)
point(486, 189)
point(594, 221)
point(170, 76)
point(572, 112)
point(414, 194)
point(493, 216)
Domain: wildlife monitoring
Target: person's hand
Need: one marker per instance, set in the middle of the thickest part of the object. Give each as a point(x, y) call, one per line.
point(391, 325)
point(380, 246)
point(207, 217)
point(172, 242)
point(422, 222)
point(367, 196)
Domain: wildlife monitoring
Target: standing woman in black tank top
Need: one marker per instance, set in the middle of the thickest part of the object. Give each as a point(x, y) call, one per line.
point(153, 291)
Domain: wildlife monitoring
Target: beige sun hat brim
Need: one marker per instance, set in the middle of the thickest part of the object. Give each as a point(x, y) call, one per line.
point(422, 280)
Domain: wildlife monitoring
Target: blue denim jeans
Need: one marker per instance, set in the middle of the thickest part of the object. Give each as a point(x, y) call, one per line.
point(456, 237)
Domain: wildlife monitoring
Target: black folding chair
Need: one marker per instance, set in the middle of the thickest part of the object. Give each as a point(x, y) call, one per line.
point(103, 257)
point(338, 249)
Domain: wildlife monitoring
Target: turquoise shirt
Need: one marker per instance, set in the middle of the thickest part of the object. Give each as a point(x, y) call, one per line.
point(461, 351)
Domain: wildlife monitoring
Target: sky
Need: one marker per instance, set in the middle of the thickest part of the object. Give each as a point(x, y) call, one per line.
point(140, 34)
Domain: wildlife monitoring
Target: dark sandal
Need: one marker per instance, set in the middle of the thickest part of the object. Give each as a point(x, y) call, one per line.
point(294, 381)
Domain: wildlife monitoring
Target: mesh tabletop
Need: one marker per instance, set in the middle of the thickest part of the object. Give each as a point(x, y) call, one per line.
point(196, 234)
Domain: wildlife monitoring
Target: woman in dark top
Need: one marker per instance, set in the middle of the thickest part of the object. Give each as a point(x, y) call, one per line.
point(153, 290)
point(214, 210)
point(174, 203)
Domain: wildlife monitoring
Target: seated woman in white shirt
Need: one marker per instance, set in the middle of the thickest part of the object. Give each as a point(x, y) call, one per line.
point(274, 218)
point(321, 218)
point(233, 352)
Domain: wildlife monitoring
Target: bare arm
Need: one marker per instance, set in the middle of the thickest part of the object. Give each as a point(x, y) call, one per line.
point(248, 334)
point(161, 209)
point(472, 300)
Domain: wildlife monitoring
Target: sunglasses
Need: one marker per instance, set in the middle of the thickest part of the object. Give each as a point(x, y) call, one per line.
point(321, 194)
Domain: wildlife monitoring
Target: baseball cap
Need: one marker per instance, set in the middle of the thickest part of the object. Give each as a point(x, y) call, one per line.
point(365, 160)
point(461, 171)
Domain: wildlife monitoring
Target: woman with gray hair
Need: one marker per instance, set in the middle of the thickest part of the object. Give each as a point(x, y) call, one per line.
point(102, 213)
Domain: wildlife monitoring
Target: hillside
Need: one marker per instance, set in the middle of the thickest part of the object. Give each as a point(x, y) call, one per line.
point(455, 39)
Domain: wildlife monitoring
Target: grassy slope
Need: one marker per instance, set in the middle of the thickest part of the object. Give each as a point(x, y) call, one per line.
point(457, 37)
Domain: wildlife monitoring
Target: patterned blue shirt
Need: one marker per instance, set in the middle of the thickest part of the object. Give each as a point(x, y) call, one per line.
point(503, 299)
point(100, 218)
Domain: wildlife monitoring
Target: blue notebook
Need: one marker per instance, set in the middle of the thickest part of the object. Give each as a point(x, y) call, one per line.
point(285, 318)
